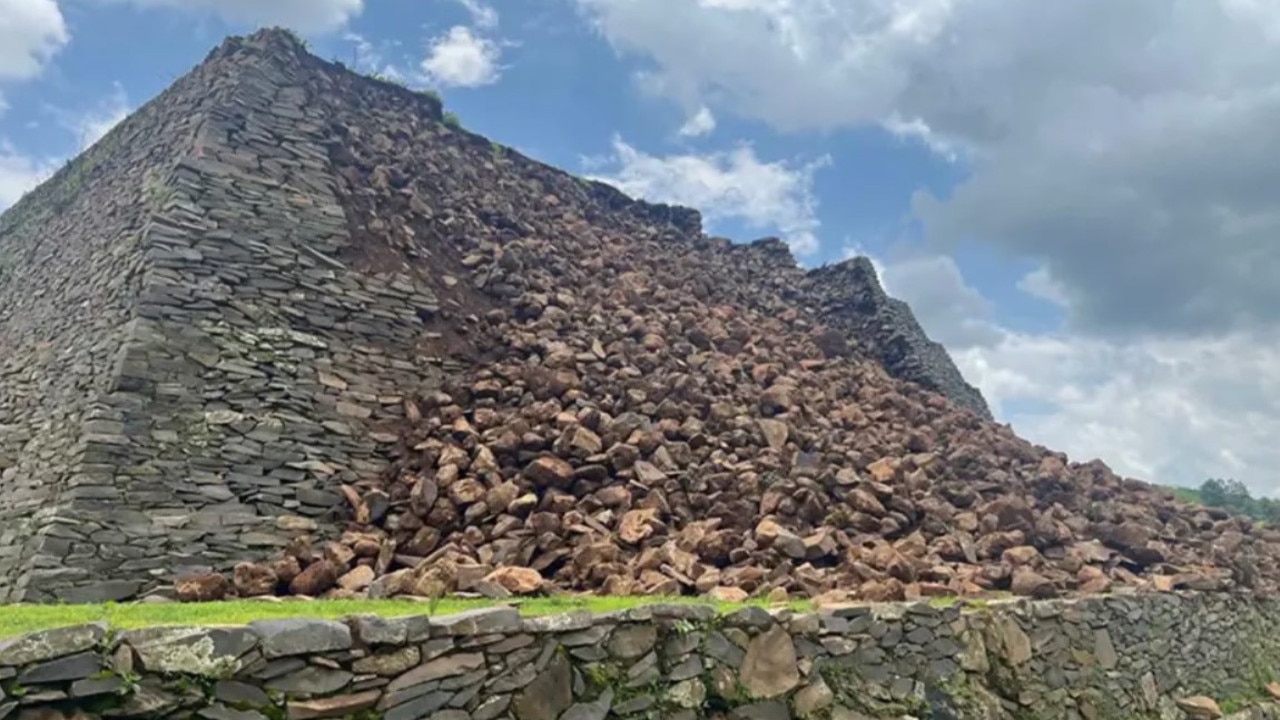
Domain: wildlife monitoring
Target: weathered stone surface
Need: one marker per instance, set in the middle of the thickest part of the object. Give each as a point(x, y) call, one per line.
point(484, 621)
point(332, 707)
point(549, 695)
point(597, 709)
point(629, 642)
point(1041, 660)
point(388, 663)
point(812, 699)
point(770, 667)
point(222, 712)
point(1200, 707)
point(310, 680)
point(50, 644)
point(71, 667)
point(212, 652)
point(447, 666)
point(92, 686)
point(295, 636)
point(237, 694)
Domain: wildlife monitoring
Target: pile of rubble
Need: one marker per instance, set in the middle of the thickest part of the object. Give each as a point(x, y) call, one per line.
point(648, 410)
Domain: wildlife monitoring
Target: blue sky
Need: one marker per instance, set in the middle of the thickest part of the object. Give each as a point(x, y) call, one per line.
point(1034, 179)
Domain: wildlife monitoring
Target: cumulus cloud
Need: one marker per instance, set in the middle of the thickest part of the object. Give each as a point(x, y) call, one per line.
point(370, 58)
point(1174, 410)
point(482, 15)
point(304, 16)
point(462, 58)
point(702, 122)
point(31, 33)
point(730, 185)
point(19, 173)
point(1126, 150)
point(1124, 147)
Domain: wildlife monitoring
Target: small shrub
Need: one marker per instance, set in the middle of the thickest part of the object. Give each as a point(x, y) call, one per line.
point(452, 120)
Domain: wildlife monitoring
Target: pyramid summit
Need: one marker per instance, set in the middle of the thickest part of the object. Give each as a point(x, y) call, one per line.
point(288, 329)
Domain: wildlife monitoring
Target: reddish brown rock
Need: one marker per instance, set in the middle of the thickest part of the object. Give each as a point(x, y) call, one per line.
point(315, 579)
point(204, 587)
point(624, 401)
point(516, 580)
point(549, 471)
point(253, 579)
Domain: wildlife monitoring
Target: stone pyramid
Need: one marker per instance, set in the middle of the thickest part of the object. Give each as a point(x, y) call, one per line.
point(199, 350)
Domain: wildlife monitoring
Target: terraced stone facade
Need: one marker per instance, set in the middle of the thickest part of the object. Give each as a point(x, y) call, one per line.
point(1098, 659)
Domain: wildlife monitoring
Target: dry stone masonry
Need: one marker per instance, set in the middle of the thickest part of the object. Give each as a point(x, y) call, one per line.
point(287, 331)
point(854, 302)
point(189, 360)
point(1117, 658)
point(187, 354)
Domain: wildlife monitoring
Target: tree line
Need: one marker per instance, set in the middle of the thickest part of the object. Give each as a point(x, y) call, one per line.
point(1233, 496)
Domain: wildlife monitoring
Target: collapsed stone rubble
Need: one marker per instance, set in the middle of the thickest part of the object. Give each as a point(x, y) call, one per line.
point(638, 408)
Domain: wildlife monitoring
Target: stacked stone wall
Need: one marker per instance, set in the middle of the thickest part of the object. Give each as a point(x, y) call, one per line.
point(71, 270)
point(849, 298)
point(1097, 658)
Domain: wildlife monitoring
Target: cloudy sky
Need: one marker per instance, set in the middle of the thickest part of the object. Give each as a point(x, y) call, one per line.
point(1078, 198)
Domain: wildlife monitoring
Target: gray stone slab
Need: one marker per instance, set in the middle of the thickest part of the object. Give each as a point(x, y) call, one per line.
point(301, 636)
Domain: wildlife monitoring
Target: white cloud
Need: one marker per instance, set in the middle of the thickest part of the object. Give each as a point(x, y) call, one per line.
point(1039, 283)
point(732, 185)
point(1169, 410)
point(959, 316)
point(1126, 149)
point(91, 126)
point(19, 173)
point(482, 15)
point(916, 129)
point(703, 122)
point(1120, 145)
point(1176, 411)
point(370, 58)
point(31, 32)
point(461, 58)
point(304, 16)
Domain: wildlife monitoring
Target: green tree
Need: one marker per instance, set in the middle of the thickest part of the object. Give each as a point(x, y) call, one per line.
point(1213, 493)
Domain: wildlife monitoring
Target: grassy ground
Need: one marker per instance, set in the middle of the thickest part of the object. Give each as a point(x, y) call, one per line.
point(18, 619)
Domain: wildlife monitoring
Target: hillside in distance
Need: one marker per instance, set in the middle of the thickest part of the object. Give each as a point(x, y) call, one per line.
point(616, 401)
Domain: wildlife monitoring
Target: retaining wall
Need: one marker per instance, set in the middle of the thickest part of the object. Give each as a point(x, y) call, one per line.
point(1099, 658)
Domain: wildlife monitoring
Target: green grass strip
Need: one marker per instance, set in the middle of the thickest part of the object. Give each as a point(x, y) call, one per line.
point(20, 619)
